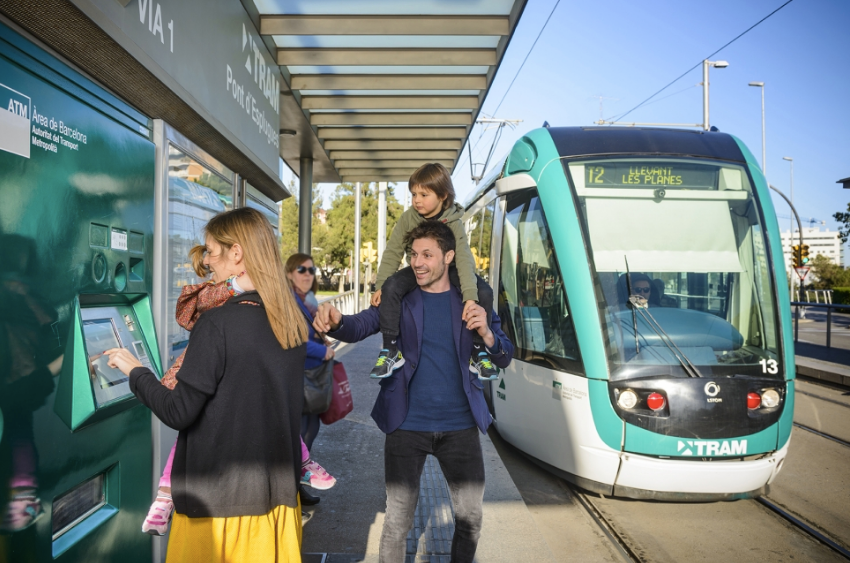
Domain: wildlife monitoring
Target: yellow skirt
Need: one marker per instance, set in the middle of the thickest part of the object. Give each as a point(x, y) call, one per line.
point(273, 537)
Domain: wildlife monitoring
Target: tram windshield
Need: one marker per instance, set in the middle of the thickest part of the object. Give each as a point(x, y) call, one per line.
point(683, 240)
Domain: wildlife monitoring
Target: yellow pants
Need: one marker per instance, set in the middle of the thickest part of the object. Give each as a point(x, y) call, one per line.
point(273, 537)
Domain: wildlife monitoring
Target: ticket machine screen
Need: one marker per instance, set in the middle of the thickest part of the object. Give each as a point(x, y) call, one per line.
point(105, 328)
point(101, 336)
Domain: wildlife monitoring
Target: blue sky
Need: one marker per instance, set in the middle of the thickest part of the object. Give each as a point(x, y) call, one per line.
point(626, 50)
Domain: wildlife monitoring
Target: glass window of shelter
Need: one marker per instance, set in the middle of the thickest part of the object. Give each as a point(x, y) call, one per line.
point(691, 231)
point(196, 192)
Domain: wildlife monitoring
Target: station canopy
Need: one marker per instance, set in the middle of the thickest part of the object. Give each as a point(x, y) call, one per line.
point(375, 88)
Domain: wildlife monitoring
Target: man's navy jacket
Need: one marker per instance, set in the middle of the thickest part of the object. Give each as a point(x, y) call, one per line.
point(390, 408)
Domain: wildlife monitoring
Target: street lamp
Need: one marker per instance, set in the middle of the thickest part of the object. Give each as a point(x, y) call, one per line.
point(791, 224)
point(705, 64)
point(763, 150)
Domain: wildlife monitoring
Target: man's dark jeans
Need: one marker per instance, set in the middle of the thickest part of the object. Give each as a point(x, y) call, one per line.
point(459, 454)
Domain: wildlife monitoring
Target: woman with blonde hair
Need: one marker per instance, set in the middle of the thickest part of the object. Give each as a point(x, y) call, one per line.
point(237, 407)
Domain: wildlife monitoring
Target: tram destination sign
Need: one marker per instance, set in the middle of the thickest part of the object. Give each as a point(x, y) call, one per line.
point(643, 174)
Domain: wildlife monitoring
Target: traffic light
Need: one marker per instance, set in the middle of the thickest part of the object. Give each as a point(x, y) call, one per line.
point(795, 256)
point(367, 253)
point(804, 254)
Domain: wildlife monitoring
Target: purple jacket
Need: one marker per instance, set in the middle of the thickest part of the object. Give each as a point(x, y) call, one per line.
point(391, 406)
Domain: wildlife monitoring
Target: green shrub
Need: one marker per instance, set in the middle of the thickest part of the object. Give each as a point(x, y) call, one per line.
point(841, 295)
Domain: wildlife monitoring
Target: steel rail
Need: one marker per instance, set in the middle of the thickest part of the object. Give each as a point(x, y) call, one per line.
point(822, 434)
point(809, 530)
point(827, 399)
point(619, 543)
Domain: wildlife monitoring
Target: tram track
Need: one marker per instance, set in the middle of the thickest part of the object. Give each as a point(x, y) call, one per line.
point(822, 434)
point(802, 526)
point(621, 546)
point(628, 552)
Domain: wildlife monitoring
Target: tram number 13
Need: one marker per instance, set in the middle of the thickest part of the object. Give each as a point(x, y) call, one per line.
point(769, 366)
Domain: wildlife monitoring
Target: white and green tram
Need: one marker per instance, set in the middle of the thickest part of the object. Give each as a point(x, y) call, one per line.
point(639, 274)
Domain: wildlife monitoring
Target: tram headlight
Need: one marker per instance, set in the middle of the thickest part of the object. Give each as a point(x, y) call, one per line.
point(770, 398)
point(627, 399)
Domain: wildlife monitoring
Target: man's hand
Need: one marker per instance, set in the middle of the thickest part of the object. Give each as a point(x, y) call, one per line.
point(327, 318)
point(376, 298)
point(476, 319)
point(122, 359)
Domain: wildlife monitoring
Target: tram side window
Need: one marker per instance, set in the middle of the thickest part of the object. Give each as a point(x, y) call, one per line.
point(532, 301)
point(479, 233)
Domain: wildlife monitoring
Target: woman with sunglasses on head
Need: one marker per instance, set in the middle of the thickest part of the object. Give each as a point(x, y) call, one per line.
point(301, 272)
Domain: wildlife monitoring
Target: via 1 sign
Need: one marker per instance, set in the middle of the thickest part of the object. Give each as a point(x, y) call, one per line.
point(211, 50)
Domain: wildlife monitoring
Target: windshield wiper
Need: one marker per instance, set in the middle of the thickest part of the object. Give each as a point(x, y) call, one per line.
point(640, 305)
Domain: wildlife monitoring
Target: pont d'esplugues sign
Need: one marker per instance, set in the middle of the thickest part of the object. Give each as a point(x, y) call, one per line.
point(211, 50)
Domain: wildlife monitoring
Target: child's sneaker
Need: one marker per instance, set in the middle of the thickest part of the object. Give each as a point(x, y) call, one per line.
point(156, 522)
point(314, 475)
point(480, 363)
point(388, 361)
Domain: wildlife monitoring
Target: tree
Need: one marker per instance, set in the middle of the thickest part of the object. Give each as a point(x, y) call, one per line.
point(340, 236)
point(827, 275)
point(289, 225)
point(844, 220)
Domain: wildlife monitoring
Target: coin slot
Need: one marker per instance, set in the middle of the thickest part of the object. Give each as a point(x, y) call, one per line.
point(120, 277)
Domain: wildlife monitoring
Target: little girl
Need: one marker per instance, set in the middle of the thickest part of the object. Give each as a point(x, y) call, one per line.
point(433, 200)
point(194, 300)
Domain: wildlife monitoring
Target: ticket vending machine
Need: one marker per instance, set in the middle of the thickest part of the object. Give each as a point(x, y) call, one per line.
point(77, 172)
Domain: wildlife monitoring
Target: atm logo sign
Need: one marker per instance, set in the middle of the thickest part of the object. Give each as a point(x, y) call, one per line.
point(15, 113)
point(711, 448)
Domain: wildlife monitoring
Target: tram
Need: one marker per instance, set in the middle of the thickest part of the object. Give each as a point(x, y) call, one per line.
point(639, 274)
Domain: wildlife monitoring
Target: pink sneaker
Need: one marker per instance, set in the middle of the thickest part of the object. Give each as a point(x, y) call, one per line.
point(156, 522)
point(314, 475)
point(22, 511)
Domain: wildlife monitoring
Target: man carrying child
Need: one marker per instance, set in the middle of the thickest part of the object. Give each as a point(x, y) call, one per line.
point(433, 198)
point(433, 404)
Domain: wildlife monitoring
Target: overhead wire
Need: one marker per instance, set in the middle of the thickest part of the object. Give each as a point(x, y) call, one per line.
point(619, 117)
point(539, 33)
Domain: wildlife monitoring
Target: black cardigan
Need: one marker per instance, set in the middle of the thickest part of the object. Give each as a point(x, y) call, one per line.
point(237, 406)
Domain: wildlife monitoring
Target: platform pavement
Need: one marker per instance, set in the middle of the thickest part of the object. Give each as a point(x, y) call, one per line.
point(819, 362)
point(347, 523)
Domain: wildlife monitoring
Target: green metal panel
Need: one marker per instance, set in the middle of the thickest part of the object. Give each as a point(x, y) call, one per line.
point(561, 214)
point(76, 228)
